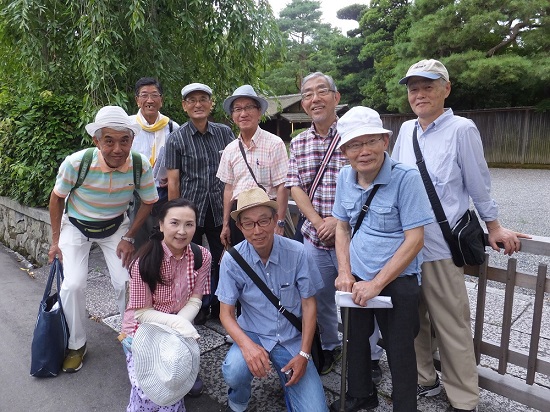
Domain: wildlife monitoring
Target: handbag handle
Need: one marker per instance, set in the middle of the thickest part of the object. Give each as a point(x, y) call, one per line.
point(56, 271)
point(292, 318)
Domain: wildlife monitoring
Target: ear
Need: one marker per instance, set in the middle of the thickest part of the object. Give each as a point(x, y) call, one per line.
point(337, 97)
point(96, 142)
point(137, 101)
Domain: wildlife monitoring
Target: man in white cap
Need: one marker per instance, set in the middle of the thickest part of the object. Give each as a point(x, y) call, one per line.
point(453, 154)
point(381, 211)
point(95, 211)
point(265, 340)
point(193, 154)
point(255, 159)
point(150, 141)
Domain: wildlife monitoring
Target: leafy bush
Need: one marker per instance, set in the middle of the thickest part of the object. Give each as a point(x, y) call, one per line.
point(36, 134)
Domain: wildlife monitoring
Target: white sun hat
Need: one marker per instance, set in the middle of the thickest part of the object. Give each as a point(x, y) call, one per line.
point(112, 116)
point(359, 121)
point(166, 363)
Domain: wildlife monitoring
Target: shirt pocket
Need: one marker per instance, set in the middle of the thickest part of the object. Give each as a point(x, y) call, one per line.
point(263, 175)
point(289, 297)
point(384, 219)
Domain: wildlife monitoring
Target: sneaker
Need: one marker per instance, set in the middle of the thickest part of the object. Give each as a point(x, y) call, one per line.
point(331, 357)
point(376, 372)
point(355, 404)
point(433, 390)
point(197, 388)
point(73, 360)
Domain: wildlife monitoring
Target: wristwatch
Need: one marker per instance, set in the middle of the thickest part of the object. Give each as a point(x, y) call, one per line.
point(281, 223)
point(128, 239)
point(305, 355)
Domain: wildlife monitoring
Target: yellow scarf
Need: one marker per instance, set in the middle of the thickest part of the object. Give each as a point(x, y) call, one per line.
point(160, 124)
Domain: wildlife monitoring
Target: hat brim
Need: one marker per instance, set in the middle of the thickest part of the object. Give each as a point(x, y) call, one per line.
point(92, 128)
point(361, 131)
point(271, 203)
point(229, 101)
point(427, 75)
point(146, 355)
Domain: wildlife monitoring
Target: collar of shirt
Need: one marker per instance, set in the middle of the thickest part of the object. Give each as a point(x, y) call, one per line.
point(255, 138)
point(105, 168)
point(195, 131)
point(384, 174)
point(273, 257)
point(331, 131)
point(437, 123)
point(168, 253)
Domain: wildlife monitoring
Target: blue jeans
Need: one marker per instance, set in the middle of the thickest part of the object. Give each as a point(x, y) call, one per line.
point(327, 315)
point(307, 395)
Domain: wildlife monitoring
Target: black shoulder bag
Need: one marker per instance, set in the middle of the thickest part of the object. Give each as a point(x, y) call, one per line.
point(467, 239)
point(316, 349)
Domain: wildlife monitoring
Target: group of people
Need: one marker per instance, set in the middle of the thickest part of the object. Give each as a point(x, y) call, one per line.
point(366, 221)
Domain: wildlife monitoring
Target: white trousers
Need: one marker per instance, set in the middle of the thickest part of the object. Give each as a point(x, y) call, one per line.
point(75, 248)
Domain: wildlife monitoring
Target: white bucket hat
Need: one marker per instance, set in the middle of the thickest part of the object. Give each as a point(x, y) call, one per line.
point(252, 198)
point(112, 116)
point(244, 91)
point(166, 363)
point(359, 121)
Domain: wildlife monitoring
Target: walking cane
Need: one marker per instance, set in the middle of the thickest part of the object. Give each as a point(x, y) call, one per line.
point(345, 320)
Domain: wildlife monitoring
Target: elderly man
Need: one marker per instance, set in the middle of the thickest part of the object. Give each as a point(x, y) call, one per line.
point(453, 154)
point(155, 128)
point(255, 159)
point(384, 205)
point(95, 211)
point(193, 155)
point(263, 336)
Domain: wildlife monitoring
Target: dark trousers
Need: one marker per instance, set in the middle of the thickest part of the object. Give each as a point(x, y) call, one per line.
point(399, 326)
point(216, 249)
point(235, 235)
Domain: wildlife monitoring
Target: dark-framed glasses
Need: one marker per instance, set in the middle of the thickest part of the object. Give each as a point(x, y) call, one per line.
point(249, 225)
point(202, 100)
point(247, 109)
point(357, 146)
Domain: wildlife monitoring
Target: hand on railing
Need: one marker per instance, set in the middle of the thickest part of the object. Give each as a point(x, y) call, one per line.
point(500, 237)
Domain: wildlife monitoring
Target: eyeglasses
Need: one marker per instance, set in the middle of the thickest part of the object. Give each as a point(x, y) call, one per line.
point(357, 146)
point(322, 92)
point(202, 100)
point(248, 108)
point(146, 96)
point(248, 225)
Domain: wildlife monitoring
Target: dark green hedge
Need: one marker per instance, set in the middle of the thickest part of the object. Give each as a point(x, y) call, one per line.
point(36, 134)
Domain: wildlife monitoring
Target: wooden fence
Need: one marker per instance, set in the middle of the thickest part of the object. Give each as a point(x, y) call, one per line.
point(533, 360)
point(517, 135)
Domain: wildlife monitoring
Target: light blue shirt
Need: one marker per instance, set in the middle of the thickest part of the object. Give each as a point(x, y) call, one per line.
point(400, 204)
point(289, 273)
point(453, 152)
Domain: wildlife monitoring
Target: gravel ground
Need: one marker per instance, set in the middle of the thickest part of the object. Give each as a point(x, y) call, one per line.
point(523, 197)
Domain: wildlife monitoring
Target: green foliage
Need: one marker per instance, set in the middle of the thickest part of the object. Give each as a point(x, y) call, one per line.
point(36, 134)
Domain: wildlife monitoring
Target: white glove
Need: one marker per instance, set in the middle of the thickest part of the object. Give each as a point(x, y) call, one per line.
point(190, 310)
point(179, 324)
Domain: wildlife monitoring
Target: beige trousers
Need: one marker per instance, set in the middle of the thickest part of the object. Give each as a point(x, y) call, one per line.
point(444, 306)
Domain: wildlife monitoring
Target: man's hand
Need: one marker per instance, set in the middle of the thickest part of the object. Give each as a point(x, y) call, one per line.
point(125, 252)
point(507, 237)
point(326, 230)
point(344, 282)
point(256, 358)
point(298, 364)
point(225, 236)
point(364, 291)
point(53, 252)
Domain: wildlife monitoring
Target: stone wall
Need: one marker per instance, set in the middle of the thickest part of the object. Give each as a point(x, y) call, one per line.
point(26, 230)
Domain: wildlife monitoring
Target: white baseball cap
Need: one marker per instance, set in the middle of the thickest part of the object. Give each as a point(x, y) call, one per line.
point(430, 69)
point(359, 121)
point(195, 87)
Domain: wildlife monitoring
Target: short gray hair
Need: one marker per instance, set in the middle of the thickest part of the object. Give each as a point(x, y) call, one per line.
point(328, 79)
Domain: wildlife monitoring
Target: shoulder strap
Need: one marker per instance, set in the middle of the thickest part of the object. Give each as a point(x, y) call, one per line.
point(137, 168)
point(197, 256)
point(82, 172)
point(170, 126)
point(323, 166)
point(241, 147)
point(366, 206)
point(292, 318)
point(432, 195)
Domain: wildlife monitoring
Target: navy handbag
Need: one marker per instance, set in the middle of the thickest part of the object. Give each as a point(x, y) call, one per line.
point(51, 333)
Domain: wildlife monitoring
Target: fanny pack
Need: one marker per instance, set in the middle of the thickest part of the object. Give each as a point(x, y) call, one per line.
point(97, 230)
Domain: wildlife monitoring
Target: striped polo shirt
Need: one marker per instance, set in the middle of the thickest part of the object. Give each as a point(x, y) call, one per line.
point(105, 192)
